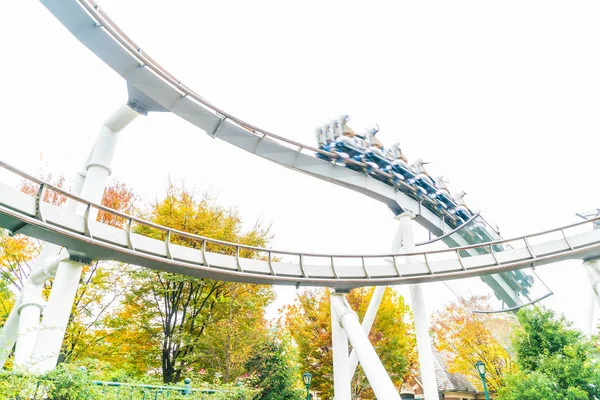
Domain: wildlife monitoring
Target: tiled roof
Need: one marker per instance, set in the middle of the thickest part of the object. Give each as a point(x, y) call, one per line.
point(448, 382)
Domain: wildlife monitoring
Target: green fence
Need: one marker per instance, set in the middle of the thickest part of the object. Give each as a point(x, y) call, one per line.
point(156, 392)
point(77, 385)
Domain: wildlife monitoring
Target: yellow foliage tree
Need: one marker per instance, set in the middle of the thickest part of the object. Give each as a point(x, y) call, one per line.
point(464, 336)
point(309, 324)
point(196, 324)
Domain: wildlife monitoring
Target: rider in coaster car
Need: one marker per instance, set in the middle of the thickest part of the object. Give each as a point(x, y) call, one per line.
point(348, 144)
point(461, 210)
point(443, 191)
point(374, 155)
point(423, 178)
point(398, 164)
point(325, 140)
point(395, 155)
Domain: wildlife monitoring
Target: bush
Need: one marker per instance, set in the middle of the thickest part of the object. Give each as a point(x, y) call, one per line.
point(67, 382)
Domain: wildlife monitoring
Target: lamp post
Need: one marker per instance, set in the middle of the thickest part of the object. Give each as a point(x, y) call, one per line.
point(480, 367)
point(307, 377)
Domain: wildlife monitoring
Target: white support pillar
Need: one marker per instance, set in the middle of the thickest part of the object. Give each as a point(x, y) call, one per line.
point(44, 269)
point(29, 313)
point(98, 169)
point(26, 314)
point(8, 336)
point(426, 361)
point(342, 389)
point(375, 301)
point(592, 267)
point(380, 382)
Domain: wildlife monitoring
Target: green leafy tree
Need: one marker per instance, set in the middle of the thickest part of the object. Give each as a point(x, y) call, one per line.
point(547, 345)
point(528, 386)
point(276, 378)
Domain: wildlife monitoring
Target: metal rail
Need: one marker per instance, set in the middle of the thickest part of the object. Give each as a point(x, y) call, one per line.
point(103, 21)
point(138, 61)
point(452, 232)
point(169, 232)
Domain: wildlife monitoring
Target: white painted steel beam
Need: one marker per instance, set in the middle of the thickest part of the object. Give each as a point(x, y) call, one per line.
point(65, 228)
point(90, 25)
point(342, 389)
point(378, 293)
point(421, 318)
point(380, 382)
point(46, 349)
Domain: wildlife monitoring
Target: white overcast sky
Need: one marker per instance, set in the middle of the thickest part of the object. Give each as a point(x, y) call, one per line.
point(502, 97)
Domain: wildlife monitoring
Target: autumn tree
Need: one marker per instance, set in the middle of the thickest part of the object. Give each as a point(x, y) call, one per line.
point(464, 336)
point(18, 252)
point(239, 329)
point(100, 286)
point(199, 323)
point(6, 301)
point(308, 322)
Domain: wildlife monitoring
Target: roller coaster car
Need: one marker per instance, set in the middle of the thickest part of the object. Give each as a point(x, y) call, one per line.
point(325, 140)
point(339, 139)
point(446, 198)
point(375, 155)
point(350, 148)
point(463, 213)
point(519, 282)
point(431, 186)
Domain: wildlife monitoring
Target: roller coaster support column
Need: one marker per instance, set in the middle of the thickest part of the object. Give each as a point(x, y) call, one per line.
point(64, 288)
point(375, 301)
point(424, 351)
point(339, 347)
point(30, 305)
point(592, 267)
point(24, 316)
point(371, 364)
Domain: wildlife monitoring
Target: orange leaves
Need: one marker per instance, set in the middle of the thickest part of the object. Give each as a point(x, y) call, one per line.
point(50, 196)
point(118, 197)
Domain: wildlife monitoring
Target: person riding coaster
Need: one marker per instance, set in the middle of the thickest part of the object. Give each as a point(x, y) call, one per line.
point(423, 178)
point(525, 281)
point(461, 210)
point(339, 138)
point(374, 154)
point(398, 164)
point(443, 191)
point(325, 140)
point(348, 144)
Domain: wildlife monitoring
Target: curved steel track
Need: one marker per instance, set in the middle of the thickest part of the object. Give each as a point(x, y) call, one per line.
point(152, 88)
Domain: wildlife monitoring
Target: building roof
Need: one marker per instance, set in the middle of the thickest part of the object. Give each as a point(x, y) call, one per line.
point(447, 381)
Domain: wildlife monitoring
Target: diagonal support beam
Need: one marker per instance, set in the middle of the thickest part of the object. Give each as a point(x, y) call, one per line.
point(378, 377)
point(376, 298)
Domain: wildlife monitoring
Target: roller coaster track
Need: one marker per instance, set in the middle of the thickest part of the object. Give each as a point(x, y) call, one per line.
point(152, 88)
point(185, 253)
